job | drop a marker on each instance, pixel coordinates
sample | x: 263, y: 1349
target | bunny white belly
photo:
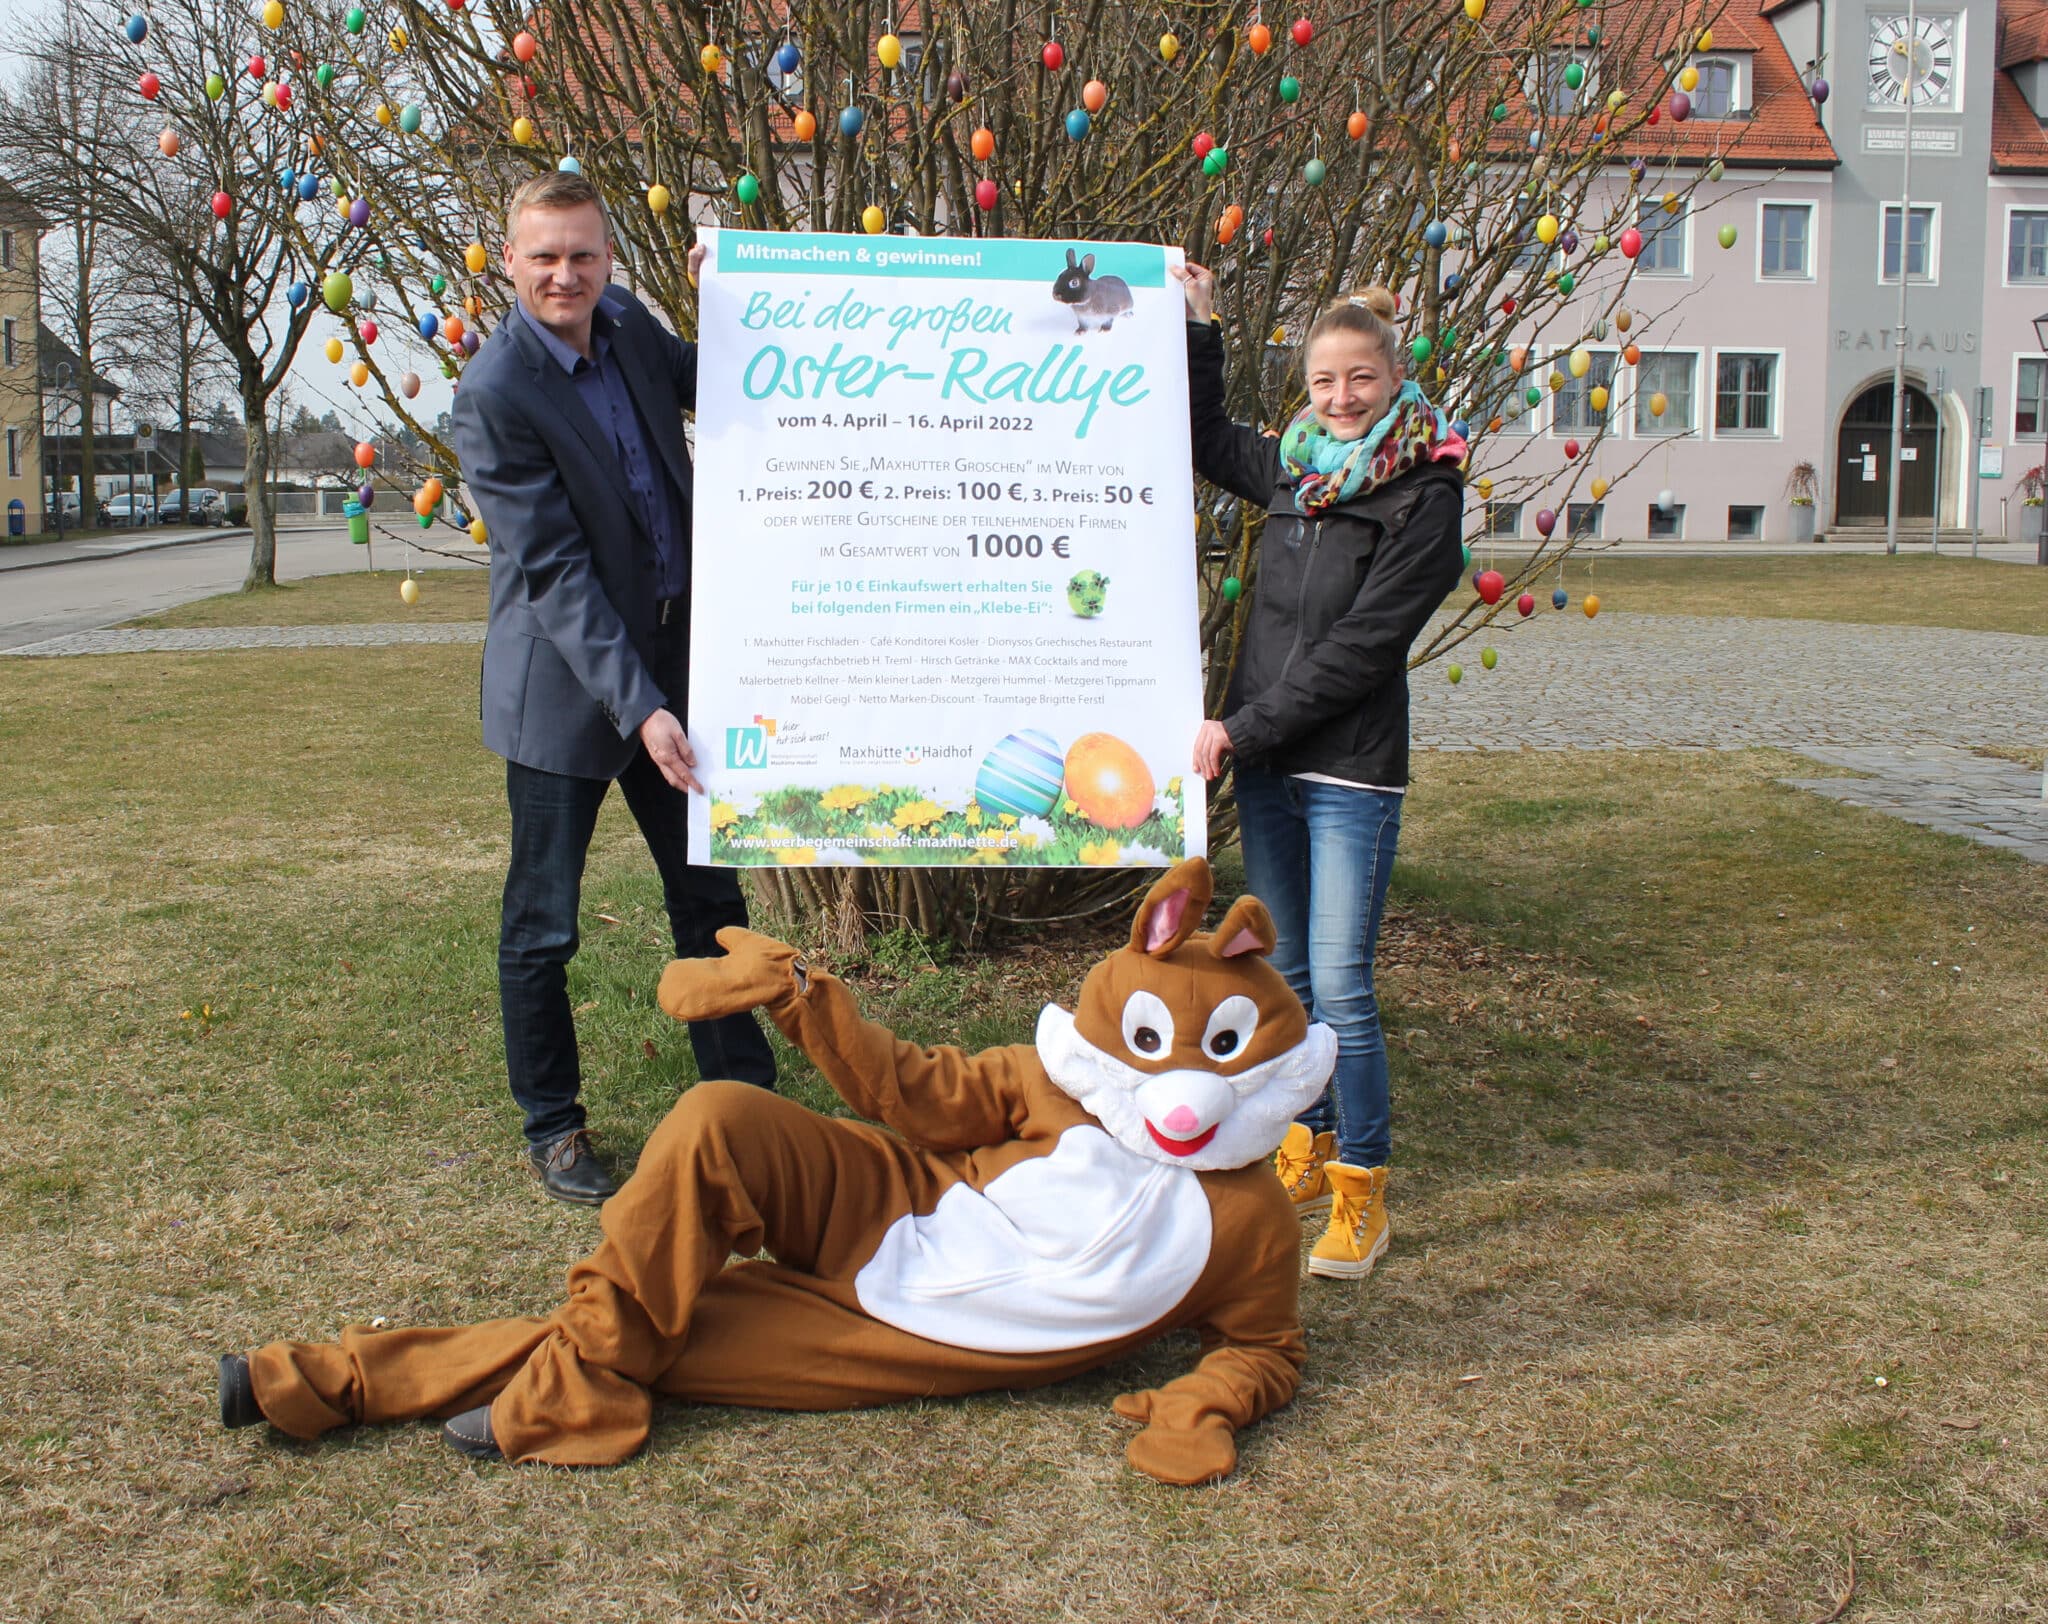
x: 1080, y: 1246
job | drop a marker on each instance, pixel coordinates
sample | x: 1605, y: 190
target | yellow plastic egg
x: 1600, y: 489
x: 888, y: 50
x: 1484, y: 487
x: 333, y: 349
x: 1581, y: 361
x: 1706, y: 39
x: 1169, y: 46
x: 477, y: 532
x: 359, y: 374
x: 1476, y: 10
x: 872, y: 220
x: 1591, y: 604
x: 1659, y: 404
x: 658, y: 198
x: 1596, y: 397
x: 398, y: 39
x: 711, y: 59
x: 1688, y: 78
x: 383, y: 114
x: 475, y: 258
x: 522, y: 131
x: 273, y: 14
x: 1546, y: 230
x: 1671, y: 203
x: 409, y: 590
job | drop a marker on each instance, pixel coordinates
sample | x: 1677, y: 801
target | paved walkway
x: 1905, y: 705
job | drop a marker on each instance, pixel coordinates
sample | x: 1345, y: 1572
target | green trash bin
x: 358, y: 522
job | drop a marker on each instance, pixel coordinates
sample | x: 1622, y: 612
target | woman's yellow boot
x: 1358, y: 1223
x: 1300, y: 1161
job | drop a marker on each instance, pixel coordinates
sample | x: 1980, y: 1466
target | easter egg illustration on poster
x: 943, y: 603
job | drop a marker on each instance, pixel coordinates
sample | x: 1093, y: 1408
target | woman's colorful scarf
x: 1326, y: 470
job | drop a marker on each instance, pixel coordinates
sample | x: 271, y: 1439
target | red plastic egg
x: 1054, y: 55
x: 222, y: 204
x: 1526, y: 604
x: 149, y: 84
x: 1303, y: 30
x: 984, y: 195
x: 1490, y: 584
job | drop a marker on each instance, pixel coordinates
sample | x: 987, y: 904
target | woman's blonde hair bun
x: 1380, y: 301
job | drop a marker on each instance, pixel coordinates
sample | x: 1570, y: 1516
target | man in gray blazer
x: 569, y: 426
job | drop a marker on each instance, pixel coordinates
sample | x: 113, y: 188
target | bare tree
x: 172, y: 359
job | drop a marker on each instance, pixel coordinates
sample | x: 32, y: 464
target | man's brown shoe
x: 569, y: 1170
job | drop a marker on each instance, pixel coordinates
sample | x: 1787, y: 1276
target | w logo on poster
x: 746, y: 747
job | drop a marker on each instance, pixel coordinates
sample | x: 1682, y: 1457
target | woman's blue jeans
x: 1319, y: 857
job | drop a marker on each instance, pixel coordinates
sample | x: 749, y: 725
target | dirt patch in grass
x: 1718, y: 1236
x: 357, y: 599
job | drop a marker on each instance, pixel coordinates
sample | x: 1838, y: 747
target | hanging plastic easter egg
x: 1688, y: 78
x: 1559, y: 598
x: 982, y: 143
x: 1574, y: 74
x: 1454, y: 671
x: 1532, y: 395
x: 747, y: 189
x: 430, y: 323
x: 359, y: 212
x: 850, y: 120
x: 1596, y: 397
x: 1591, y: 605
x: 408, y: 384
x: 1623, y: 321
x: 1489, y: 658
x: 1054, y: 56
x: 1483, y: 486
x: 136, y: 28
x: 523, y: 131
x: 1303, y: 31
x: 409, y: 590
x: 1546, y: 521
x: 956, y: 86
x: 257, y: 67
x: 323, y: 76
x: 1566, y: 281
x: 369, y: 331
x: 356, y: 20
x: 1420, y: 348
x: 1705, y: 42
x: 1490, y: 584
x: 1665, y: 501
x: 1659, y: 404
x: 1077, y: 124
x: 985, y: 195
x: 1290, y: 88
x: 452, y: 329
x: 383, y: 115
x: 437, y: 285
x: 478, y: 533
x: 1681, y: 106
x: 167, y: 143
x: 1356, y: 125
x: 333, y: 351
x: 1217, y: 161
x: 711, y: 59
x: 872, y: 220
x: 888, y: 50
x: 1581, y: 361
x: 366, y: 493
x: 273, y: 14
x: 297, y: 294
x: 223, y: 205
x: 1600, y: 489
x: 1260, y: 38
x: 1726, y: 236
x: 1436, y: 233
x: 359, y: 374
x: 569, y: 165
x: 470, y: 343
x: 1631, y: 242
x: 1169, y: 47
x: 150, y: 86
x: 1094, y: 95
x: 658, y: 199
x: 1021, y: 776
x: 1571, y: 451
x: 216, y: 87
x: 1546, y: 230
x: 1525, y: 605
x: 1108, y: 781
x: 1631, y: 354
x: 1315, y: 171
x: 1203, y: 144
x: 1476, y: 10
x: 475, y: 258
x: 1233, y: 589
x: 409, y: 120
x: 524, y: 46
x: 1818, y: 90
x: 1602, y: 243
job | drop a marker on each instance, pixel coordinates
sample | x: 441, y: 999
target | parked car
x: 125, y: 509
x: 64, y: 506
x: 206, y: 506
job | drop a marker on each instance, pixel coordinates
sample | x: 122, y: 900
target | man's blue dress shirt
x: 602, y: 385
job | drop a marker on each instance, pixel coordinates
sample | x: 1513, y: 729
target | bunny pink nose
x: 1181, y: 1121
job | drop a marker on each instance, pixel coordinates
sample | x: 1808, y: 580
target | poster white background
x: 943, y: 600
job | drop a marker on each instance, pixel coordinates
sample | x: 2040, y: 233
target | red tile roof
x: 2019, y: 146
x: 2023, y: 30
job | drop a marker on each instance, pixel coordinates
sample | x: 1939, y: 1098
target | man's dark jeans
x: 552, y: 820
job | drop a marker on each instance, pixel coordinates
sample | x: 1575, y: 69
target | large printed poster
x: 943, y: 595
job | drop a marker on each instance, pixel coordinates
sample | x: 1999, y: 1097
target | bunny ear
x: 1070, y: 259
x: 1088, y: 264
x: 1247, y: 928
x: 1172, y: 908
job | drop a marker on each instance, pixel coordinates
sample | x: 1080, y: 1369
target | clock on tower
x: 1917, y: 62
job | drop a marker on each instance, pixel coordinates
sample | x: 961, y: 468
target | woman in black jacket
x: 1364, y: 500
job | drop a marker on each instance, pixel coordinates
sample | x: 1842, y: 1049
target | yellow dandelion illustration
x: 1007, y: 819
x: 918, y: 815
x: 724, y: 815
x: 1101, y: 854
x: 973, y: 815
x: 795, y: 856
x: 846, y: 798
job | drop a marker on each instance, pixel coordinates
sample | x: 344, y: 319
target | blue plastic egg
x: 850, y: 120
x: 788, y: 57
x: 1077, y: 123
x: 295, y: 295
x: 1436, y: 233
x: 309, y: 187
x: 1559, y: 598
x: 1021, y: 775
x: 137, y: 28
x: 430, y: 324
x: 289, y: 179
x: 570, y: 166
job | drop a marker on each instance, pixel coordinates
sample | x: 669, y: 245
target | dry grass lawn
x: 1719, y: 1249
x: 359, y: 598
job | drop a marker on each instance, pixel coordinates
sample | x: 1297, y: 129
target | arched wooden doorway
x: 1863, y: 462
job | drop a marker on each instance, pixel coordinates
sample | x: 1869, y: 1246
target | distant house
x: 57, y: 367
x: 21, y: 471
x: 319, y: 460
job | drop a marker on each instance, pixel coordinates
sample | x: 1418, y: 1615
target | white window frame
x: 1559, y: 360
x: 1933, y: 277
x: 1776, y: 431
x: 1698, y: 355
x: 2012, y: 414
x: 1682, y: 225
x: 1812, y: 209
x: 1762, y: 516
x: 2005, y: 246
x: 1740, y: 103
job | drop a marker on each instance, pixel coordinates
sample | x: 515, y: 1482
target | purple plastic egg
x: 1820, y: 90
x: 359, y: 212
x: 366, y: 494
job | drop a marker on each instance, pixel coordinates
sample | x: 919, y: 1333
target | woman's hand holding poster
x: 943, y: 604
